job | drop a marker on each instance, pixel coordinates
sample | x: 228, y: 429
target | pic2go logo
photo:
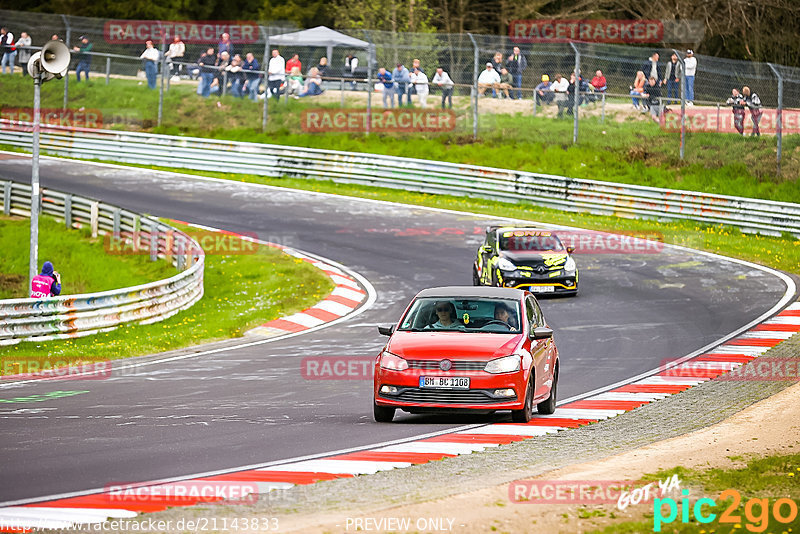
x: 756, y: 511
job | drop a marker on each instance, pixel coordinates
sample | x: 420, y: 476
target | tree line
x: 761, y: 30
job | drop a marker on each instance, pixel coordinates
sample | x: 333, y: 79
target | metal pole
x: 474, y: 89
x: 369, y: 82
x: 108, y: 69
x: 163, y: 73
x: 718, y: 110
x: 779, y: 117
x: 341, y: 91
x: 225, y: 83
x: 535, y: 94
x: 265, y: 111
x: 66, y: 78
x: 683, y: 103
x: 603, y: 108
x: 34, y: 254
x: 576, y: 94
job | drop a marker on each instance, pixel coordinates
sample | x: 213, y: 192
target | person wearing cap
x: 84, y: 57
x: 689, y: 69
x: 442, y: 80
x: 488, y: 79
x: 401, y: 79
x: 544, y: 91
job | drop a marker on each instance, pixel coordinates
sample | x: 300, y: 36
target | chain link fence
x: 689, y: 118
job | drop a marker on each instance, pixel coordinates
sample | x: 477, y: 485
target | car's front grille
x: 442, y: 396
x: 458, y: 365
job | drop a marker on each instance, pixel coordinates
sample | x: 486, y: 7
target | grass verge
x: 241, y: 291
x: 626, y: 148
x: 82, y: 261
x: 760, y: 483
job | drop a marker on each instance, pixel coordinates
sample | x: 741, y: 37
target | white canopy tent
x: 321, y: 36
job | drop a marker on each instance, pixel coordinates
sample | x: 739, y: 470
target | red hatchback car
x: 475, y: 349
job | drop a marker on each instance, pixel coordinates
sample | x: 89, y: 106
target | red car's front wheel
x: 383, y: 414
x: 526, y: 413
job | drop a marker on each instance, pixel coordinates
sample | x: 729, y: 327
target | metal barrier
x: 605, y: 198
x: 70, y: 316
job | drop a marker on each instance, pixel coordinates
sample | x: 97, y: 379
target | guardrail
x: 607, y: 198
x: 69, y: 316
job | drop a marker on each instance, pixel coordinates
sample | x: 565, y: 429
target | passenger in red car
x: 446, y: 313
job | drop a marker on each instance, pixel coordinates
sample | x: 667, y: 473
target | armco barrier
x: 607, y: 198
x: 80, y: 315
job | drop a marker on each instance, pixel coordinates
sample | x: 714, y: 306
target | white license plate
x: 542, y: 289
x: 443, y: 382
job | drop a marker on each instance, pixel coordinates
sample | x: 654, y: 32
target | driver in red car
x: 503, y: 313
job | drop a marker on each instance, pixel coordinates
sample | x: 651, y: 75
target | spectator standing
x: 599, y: 84
x: 544, y: 91
x: 350, y: 66
x: 401, y: 78
x: 47, y: 283
x: 23, y: 43
x: 84, y: 57
x: 322, y: 67
x: 443, y: 81
x: 175, y: 53
x: 637, y: 89
x: 672, y: 78
x: 388, y: 87
x: 517, y: 63
x: 420, y: 81
x: 737, y: 102
x: 506, y: 82
x: 251, y: 76
x: 150, y: 62
x: 754, y: 105
x: 650, y: 69
x: 571, y: 93
x: 653, y: 95
x: 225, y: 45
x: 559, y: 88
x: 497, y: 65
x: 276, y: 74
x: 488, y: 79
x: 207, y: 64
x: 55, y: 37
x: 690, y: 68
x: 223, y: 60
x: 294, y: 62
x: 8, y: 49
x: 236, y: 76
x: 412, y: 89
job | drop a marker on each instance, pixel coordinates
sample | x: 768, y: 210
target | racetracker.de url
x: 199, y: 524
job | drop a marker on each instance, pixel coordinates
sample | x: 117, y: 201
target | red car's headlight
x: 393, y: 362
x: 506, y: 364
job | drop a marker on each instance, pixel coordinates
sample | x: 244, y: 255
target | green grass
x: 241, y: 292
x: 82, y: 261
x: 767, y: 477
x: 626, y: 148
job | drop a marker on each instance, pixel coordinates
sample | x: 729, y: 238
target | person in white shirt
x: 175, y: 53
x: 442, y: 80
x: 276, y: 74
x: 24, y: 55
x: 488, y: 79
x: 689, y: 69
x: 420, y: 81
x: 559, y: 88
x: 150, y: 58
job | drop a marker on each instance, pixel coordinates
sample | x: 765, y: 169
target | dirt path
x: 771, y: 426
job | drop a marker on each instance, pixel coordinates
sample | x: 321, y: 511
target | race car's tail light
x: 393, y: 362
x: 506, y: 364
x: 505, y: 393
x: 389, y: 390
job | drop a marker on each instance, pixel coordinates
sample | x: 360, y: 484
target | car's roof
x: 472, y: 291
x: 510, y: 228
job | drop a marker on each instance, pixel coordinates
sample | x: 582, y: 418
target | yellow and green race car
x: 525, y: 258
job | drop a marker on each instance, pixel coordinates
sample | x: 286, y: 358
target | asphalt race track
x: 251, y: 405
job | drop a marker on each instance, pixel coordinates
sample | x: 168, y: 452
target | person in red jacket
x: 294, y: 62
x: 47, y: 283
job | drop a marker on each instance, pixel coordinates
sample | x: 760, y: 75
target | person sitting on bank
x: 47, y: 283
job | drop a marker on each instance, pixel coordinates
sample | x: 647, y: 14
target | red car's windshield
x: 463, y: 314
